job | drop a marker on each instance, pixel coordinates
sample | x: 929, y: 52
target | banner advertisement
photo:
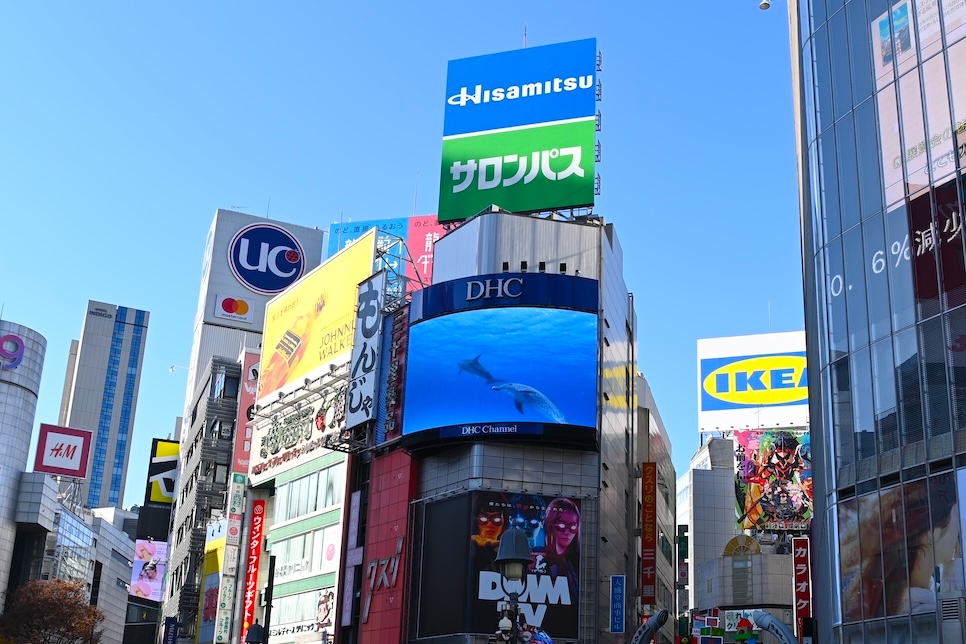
x: 253, y: 559
x: 63, y: 451
x: 361, y: 397
x: 419, y: 233
x: 617, y: 603
x: 752, y: 381
x: 519, y: 130
x: 147, y: 572
x: 162, y: 473
x: 802, y: 581
x: 298, y: 433
x: 246, y: 412
x: 424, y: 232
x: 906, y: 540
x: 550, y: 599
x: 309, y: 326
x: 648, y: 533
x: 773, y: 482
x: 395, y: 376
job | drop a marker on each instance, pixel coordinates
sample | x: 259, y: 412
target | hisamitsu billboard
x: 519, y: 130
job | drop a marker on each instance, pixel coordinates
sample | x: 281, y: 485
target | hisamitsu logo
x: 266, y: 258
x: 754, y: 381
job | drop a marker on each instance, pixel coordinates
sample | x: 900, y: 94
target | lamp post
x: 513, y: 558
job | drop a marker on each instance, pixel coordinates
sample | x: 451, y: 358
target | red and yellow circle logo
x: 231, y: 305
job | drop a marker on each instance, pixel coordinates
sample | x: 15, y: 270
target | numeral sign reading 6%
x: 899, y: 251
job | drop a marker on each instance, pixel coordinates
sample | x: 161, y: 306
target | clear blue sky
x: 124, y: 125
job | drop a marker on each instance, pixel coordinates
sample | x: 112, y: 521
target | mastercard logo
x: 238, y: 307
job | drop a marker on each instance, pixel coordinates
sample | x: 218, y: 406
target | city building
x: 113, y: 560
x: 247, y: 261
x: 880, y: 121
x: 202, y: 493
x: 101, y: 394
x: 22, y: 353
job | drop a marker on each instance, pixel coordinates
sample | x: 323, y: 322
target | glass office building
x: 881, y: 120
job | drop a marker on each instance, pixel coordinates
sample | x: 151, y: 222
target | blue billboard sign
x: 522, y: 87
x: 505, y: 289
x: 343, y: 234
x: 617, y: 602
x: 266, y: 258
x: 524, y: 366
x: 754, y: 381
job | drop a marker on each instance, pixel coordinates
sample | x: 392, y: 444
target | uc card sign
x: 519, y: 130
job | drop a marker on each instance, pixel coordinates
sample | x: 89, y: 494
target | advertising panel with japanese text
x: 773, y: 480
x: 752, y: 381
x: 361, y: 399
x: 246, y: 412
x: 503, y: 356
x: 648, y: 533
x: 419, y: 233
x: 801, y: 580
x: 519, y: 130
x: 253, y: 558
x: 309, y: 326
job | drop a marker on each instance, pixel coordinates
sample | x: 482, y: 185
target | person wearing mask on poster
x: 562, y: 553
x: 489, y: 522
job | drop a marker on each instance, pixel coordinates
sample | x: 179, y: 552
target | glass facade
x: 883, y: 107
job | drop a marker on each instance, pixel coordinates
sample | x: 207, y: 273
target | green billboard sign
x: 519, y: 131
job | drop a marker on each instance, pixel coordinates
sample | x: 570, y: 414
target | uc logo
x: 265, y: 258
x: 754, y: 381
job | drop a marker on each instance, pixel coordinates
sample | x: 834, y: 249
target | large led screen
x: 502, y: 372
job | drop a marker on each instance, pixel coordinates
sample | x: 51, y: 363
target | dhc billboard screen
x: 503, y: 356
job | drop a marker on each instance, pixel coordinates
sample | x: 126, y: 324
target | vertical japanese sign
x: 617, y: 603
x: 519, y: 130
x: 802, y: 575
x: 365, y: 344
x: 648, y: 533
x: 424, y: 232
x: 396, y: 376
x: 254, y: 557
x: 246, y: 412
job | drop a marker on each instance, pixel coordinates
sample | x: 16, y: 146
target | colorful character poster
x: 773, y: 482
x: 550, y: 598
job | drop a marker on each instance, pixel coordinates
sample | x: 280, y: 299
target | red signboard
x: 63, y: 451
x: 246, y: 412
x: 254, y: 557
x: 648, y: 533
x: 802, y: 574
x: 383, y: 603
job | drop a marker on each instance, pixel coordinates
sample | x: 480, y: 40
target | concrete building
x: 101, y: 394
x: 880, y: 120
x: 202, y: 497
x: 113, y: 558
x: 19, y: 385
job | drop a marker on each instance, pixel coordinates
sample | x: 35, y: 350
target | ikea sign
x: 743, y: 382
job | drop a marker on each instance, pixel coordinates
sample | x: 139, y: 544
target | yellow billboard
x: 310, y: 325
x: 162, y: 473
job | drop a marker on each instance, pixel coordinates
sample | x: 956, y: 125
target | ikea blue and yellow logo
x: 754, y: 381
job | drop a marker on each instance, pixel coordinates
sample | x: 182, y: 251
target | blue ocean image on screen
x: 480, y: 366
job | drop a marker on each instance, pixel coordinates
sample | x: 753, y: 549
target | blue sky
x: 123, y: 126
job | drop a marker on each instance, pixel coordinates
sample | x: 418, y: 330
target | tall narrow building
x: 101, y: 394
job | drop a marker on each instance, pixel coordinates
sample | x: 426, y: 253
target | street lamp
x: 513, y: 558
